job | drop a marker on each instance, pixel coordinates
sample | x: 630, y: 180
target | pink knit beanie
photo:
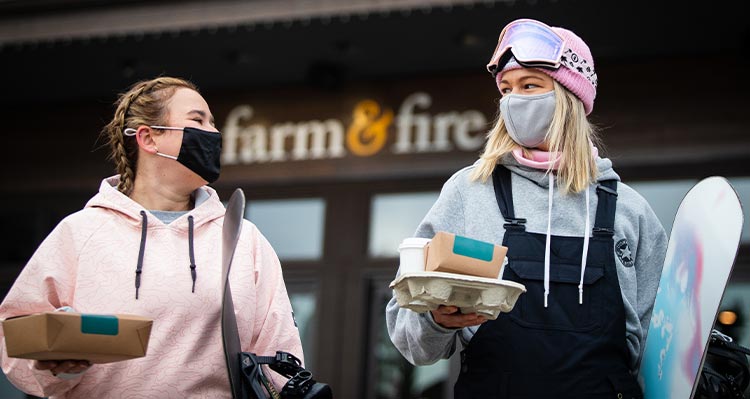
x: 576, y: 71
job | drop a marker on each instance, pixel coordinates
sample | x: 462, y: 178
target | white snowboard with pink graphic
x: 701, y: 252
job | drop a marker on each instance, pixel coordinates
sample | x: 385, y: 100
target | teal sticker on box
x: 473, y: 248
x: 99, y: 324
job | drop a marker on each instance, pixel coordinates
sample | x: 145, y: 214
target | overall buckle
x: 514, y: 223
x: 604, y: 231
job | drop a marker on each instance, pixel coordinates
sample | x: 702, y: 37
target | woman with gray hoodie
x: 588, y: 248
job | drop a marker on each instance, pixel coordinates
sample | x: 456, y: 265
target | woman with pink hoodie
x: 149, y: 244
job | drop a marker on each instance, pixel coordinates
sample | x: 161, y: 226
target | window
x: 294, y: 227
x: 737, y: 301
x: 394, y: 217
x: 390, y: 375
x: 303, y: 297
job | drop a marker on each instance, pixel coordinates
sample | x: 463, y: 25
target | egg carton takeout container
x: 425, y: 291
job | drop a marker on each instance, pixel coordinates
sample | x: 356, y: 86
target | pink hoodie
x: 88, y: 262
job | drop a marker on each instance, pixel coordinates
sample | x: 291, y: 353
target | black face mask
x: 200, y: 151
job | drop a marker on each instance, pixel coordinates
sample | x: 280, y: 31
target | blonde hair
x: 569, y: 135
x: 145, y: 103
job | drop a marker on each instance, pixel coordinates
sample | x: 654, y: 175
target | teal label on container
x: 473, y: 248
x: 99, y: 324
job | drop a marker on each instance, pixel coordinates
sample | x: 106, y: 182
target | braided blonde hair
x: 143, y: 104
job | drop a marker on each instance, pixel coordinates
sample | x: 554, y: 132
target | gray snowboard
x: 230, y: 335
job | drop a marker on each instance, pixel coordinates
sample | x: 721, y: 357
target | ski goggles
x: 531, y: 43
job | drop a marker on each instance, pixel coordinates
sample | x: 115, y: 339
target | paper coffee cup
x: 411, y: 254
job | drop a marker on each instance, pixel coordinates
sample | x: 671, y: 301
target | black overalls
x: 567, y: 350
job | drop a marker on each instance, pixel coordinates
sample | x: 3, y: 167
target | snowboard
x: 701, y: 252
x: 230, y: 235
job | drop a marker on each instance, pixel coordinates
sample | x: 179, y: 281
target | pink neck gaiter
x: 543, y: 159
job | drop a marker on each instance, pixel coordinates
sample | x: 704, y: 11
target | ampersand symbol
x: 367, y: 133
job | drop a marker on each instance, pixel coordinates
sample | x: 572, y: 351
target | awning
x: 86, y: 23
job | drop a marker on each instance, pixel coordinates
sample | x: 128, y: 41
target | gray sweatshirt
x: 469, y: 208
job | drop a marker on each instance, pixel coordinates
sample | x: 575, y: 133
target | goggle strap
x: 579, y: 65
x: 569, y: 59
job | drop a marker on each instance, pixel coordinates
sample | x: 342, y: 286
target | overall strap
x: 504, y: 197
x: 606, y: 192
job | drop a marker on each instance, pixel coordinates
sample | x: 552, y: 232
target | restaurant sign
x: 370, y: 129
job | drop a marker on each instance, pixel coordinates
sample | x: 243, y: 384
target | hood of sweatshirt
x: 207, y: 208
x: 535, y: 169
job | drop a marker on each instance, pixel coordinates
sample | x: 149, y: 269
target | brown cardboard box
x: 68, y: 335
x: 456, y: 254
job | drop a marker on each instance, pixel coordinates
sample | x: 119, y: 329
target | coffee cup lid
x: 413, y: 242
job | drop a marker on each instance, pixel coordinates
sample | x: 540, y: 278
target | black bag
x: 301, y: 385
x: 726, y: 371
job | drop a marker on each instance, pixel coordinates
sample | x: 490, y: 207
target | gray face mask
x: 528, y: 118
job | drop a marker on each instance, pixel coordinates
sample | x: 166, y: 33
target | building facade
x: 341, y: 121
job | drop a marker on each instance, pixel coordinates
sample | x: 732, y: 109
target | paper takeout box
x: 68, y: 335
x: 450, y: 253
